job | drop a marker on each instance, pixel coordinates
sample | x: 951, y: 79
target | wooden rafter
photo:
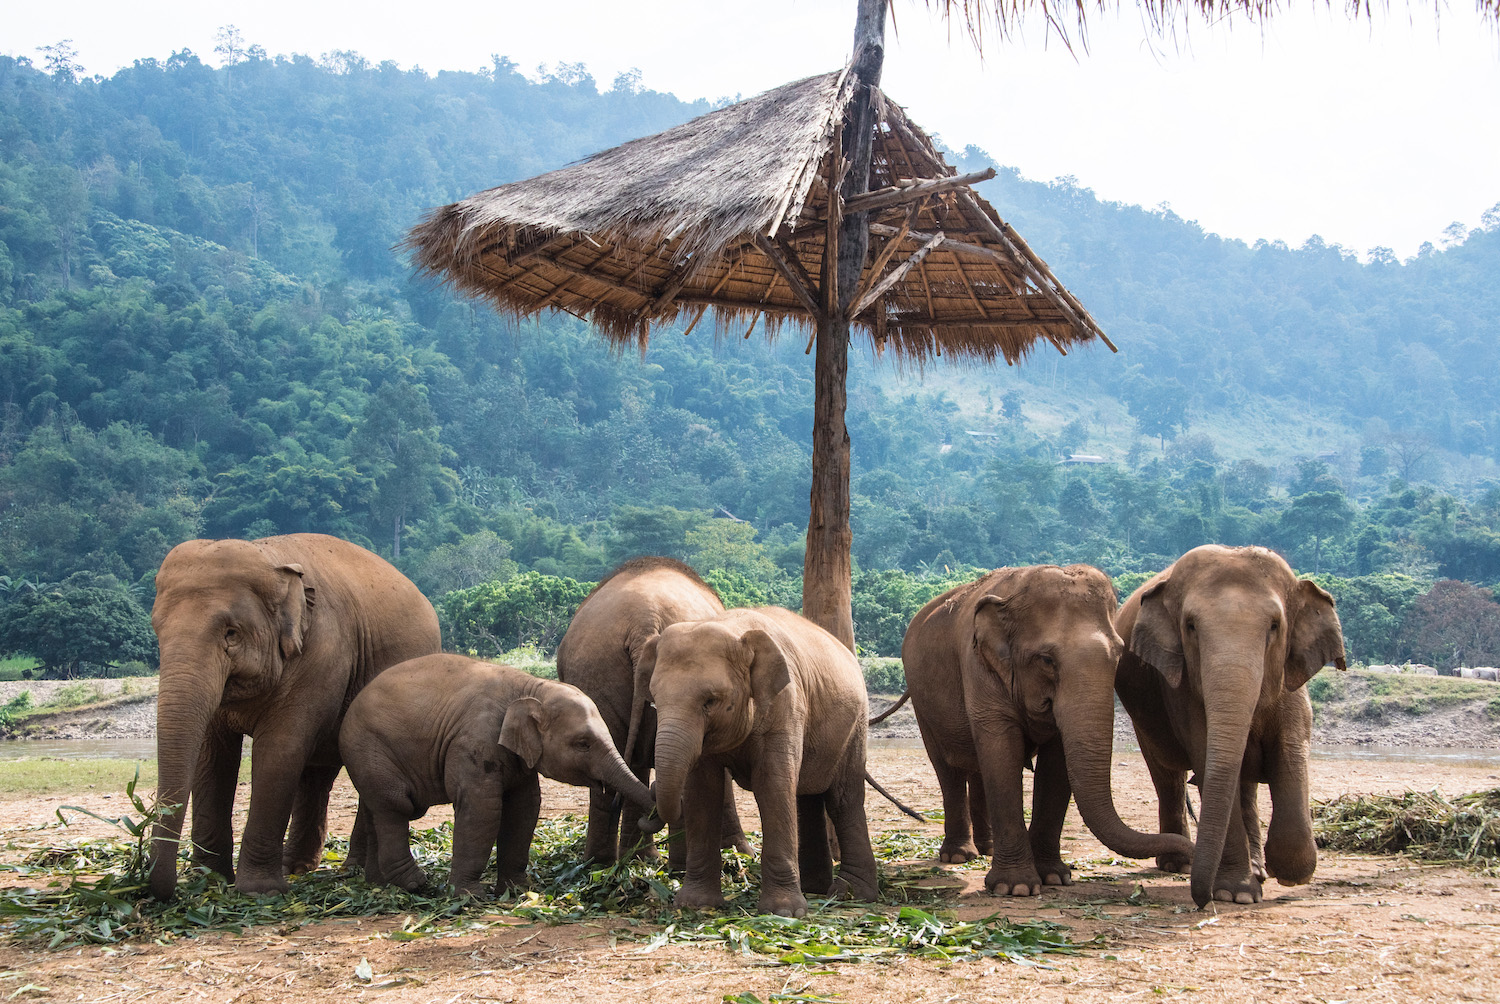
x: 895, y: 276
x: 908, y: 190
x: 883, y: 259
x: 785, y: 270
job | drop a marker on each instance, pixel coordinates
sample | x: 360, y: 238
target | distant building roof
x: 1085, y: 458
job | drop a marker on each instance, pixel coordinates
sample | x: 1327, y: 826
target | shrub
x: 884, y: 676
x: 495, y: 617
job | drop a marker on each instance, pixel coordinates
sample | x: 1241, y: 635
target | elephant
x: 449, y: 729
x: 781, y: 704
x: 268, y: 638
x: 1219, y: 648
x: 1021, y: 662
x: 601, y: 655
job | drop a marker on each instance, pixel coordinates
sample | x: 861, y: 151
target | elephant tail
x: 888, y: 712
x: 913, y: 813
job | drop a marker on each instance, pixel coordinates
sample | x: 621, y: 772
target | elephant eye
x: 709, y: 702
x: 231, y: 636
x: 1191, y: 624
x: 1275, y: 625
x: 581, y: 745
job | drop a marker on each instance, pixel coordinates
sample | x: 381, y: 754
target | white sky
x: 1366, y: 134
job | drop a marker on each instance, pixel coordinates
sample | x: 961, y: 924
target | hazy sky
x: 1372, y: 134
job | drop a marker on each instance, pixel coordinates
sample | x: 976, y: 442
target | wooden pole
x: 827, y: 572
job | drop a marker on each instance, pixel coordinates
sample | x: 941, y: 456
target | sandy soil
x: 1366, y: 929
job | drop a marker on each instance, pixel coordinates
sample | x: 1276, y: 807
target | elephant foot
x: 1172, y: 861
x: 1291, y: 863
x: 689, y: 898
x: 783, y: 902
x: 1055, y: 873
x: 856, y: 888
x: 738, y: 841
x: 260, y: 885
x: 1013, y: 882
x: 515, y: 882
x: 957, y: 853
x: 1244, y: 892
x: 300, y: 866
x: 985, y: 847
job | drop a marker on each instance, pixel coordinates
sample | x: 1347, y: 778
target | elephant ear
x: 992, y: 634
x: 769, y: 672
x: 521, y: 731
x: 1156, y: 639
x: 292, y: 618
x: 1317, y: 637
x: 643, y: 658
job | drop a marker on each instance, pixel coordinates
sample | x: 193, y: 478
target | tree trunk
x: 827, y: 572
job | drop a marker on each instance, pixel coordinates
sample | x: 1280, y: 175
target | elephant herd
x: 328, y: 657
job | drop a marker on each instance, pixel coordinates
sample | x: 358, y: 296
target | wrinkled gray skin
x: 781, y: 704
x: 1220, y: 646
x: 1021, y: 662
x: 270, y: 639
x: 448, y: 729
x: 601, y: 655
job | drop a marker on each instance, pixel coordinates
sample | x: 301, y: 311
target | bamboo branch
x: 916, y: 189
x: 895, y: 276
x: 883, y: 259
x: 802, y: 293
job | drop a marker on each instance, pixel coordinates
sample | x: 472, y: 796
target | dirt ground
x: 1366, y: 929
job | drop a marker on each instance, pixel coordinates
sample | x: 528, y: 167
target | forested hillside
x: 204, y: 331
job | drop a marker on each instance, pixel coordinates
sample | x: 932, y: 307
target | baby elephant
x: 445, y: 728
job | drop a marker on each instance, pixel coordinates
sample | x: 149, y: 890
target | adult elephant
x: 780, y: 703
x: 1016, y: 664
x: 1220, y: 646
x: 270, y: 639
x: 601, y: 655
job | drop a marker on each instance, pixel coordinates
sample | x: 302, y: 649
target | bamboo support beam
x: 784, y: 268
x: 909, y: 190
x: 884, y: 258
x: 895, y: 276
x: 1040, y: 275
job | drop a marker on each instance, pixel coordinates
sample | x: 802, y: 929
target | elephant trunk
x: 1086, y: 721
x: 615, y: 773
x: 1229, y: 705
x: 189, y: 694
x: 679, y: 744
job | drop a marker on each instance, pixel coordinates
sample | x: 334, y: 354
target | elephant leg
x: 731, y: 832
x: 391, y: 828
x: 1002, y: 751
x: 814, y: 857
x: 1291, y: 854
x: 603, y: 842
x: 958, y: 841
x: 477, y: 820
x: 1171, y: 809
x: 363, y: 847
x: 859, y: 875
x: 979, y: 815
x: 309, y: 830
x: 1233, y: 882
x: 519, y: 812
x: 213, y: 801
x: 1050, y: 793
x: 1250, y: 813
x: 774, y: 783
x: 703, y: 797
x: 276, y: 765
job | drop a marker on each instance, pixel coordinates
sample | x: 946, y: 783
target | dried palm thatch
x: 731, y: 212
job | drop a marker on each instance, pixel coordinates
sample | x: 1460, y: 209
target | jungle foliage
x: 204, y: 332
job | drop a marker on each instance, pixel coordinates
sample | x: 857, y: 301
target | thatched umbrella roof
x: 732, y: 212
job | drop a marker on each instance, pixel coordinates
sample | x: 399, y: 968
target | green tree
x: 398, y: 441
x: 72, y: 629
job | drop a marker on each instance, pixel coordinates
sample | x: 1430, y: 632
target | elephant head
x: 228, y: 620
x: 1237, y: 629
x: 1048, y: 635
x: 561, y: 733
x: 710, y: 682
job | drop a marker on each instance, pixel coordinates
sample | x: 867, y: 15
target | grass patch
x: 94, y: 892
x: 12, y: 667
x: 55, y: 776
x: 1419, y: 824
